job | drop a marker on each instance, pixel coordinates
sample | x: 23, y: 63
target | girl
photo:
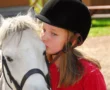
x: 66, y: 26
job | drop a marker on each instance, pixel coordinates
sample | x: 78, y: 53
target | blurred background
x: 97, y: 44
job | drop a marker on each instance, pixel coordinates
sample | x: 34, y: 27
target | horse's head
x: 23, y: 52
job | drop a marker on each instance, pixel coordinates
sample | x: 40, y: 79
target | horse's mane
x: 17, y: 23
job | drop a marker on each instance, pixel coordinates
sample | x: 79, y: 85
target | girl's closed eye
x: 54, y: 34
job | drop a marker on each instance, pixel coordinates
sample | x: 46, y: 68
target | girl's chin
x: 49, y: 52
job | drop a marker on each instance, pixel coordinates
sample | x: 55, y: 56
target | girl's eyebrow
x: 53, y: 29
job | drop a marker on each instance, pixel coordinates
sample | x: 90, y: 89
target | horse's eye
x: 9, y: 59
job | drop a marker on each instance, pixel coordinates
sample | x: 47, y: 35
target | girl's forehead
x: 54, y: 28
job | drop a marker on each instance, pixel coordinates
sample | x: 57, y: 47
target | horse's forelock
x: 15, y: 24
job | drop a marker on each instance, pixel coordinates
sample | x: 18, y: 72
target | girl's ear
x: 77, y: 40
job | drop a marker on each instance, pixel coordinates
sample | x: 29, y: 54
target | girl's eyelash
x: 51, y: 32
x: 54, y: 34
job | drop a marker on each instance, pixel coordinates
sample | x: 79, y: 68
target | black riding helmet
x: 72, y: 15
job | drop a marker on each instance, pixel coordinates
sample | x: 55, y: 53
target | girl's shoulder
x: 88, y: 65
x: 93, y: 78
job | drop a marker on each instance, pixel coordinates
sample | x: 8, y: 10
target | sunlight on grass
x: 99, y: 31
x: 101, y: 22
x: 100, y: 27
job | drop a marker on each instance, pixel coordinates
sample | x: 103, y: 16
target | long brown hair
x: 71, y: 70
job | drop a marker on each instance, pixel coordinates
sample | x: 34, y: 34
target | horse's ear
x: 1, y: 19
x: 31, y: 12
x: 19, y: 14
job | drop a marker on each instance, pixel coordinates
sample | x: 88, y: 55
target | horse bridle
x: 25, y: 77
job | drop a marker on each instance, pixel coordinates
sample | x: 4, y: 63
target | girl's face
x: 54, y: 38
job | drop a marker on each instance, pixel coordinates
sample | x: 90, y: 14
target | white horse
x: 23, y: 58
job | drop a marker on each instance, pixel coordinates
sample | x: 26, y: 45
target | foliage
x: 38, y: 4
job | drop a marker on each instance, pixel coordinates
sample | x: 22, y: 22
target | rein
x: 25, y: 77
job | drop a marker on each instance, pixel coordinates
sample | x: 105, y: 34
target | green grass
x: 99, y: 31
x: 101, y: 22
x: 100, y: 27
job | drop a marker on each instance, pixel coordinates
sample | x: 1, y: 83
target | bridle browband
x: 25, y: 77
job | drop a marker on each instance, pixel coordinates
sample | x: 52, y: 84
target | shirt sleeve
x: 94, y: 81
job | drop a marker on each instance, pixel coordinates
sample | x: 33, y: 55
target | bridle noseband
x: 25, y: 77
